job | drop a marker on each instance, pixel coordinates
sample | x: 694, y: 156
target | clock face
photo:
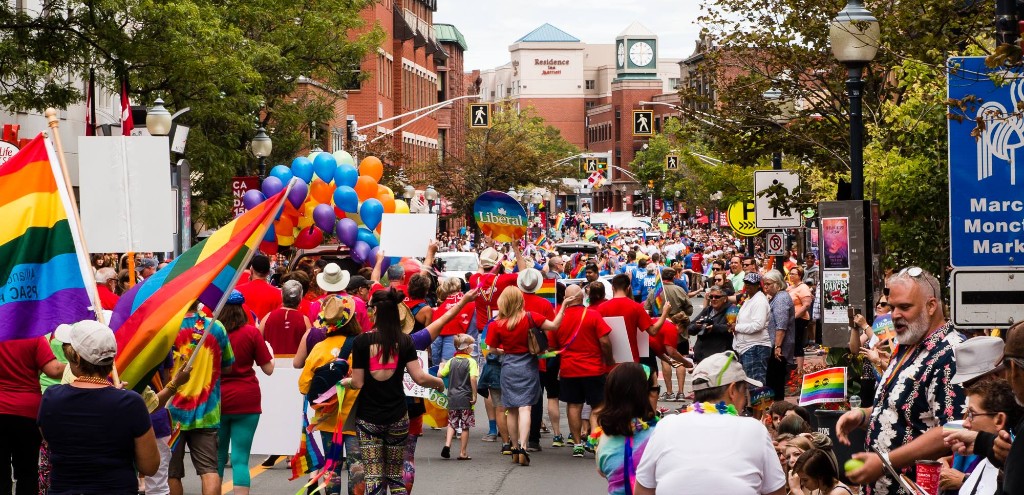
x: 641, y: 53
x: 622, y: 54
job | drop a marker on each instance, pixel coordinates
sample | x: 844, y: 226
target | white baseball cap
x: 719, y: 370
x: 92, y: 340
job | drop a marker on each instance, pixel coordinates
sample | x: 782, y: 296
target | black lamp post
x: 854, y: 36
x: 261, y: 147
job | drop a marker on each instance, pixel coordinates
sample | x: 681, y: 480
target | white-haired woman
x: 782, y: 329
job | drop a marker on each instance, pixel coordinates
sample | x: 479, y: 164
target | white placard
x: 281, y: 422
x: 121, y: 180
x: 621, y: 350
x: 410, y: 386
x: 407, y: 235
x: 643, y: 343
x: 775, y: 218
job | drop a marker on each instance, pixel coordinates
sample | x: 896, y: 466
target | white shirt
x: 722, y: 454
x: 752, y: 324
x: 985, y: 477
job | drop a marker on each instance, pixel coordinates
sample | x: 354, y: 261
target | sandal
x: 466, y: 458
x: 516, y: 453
x: 524, y: 458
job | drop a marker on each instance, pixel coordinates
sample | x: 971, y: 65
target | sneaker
x: 666, y: 396
x: 588, y: 448
x: 489, y: 438
x: 558, y: 441
x: 270, y: 461
x: 679, y: 397
x: 533, y: 447
x: 569, y: 441
x: 506, y: 449
x: 577, y: 451
x: 446, y: 452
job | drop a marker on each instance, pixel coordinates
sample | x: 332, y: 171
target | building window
x: 590, y: 104
x: 591, y: 84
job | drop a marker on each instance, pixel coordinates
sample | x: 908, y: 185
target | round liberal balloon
x: 500, y: 217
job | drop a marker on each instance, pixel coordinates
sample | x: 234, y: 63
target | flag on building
x: 42, y: 262
x: 827, y: 385
x: 127, y: 122
x: 147, y: 318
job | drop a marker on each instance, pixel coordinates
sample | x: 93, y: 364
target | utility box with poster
x: 846, y: 246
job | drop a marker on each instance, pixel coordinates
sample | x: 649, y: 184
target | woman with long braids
x: 379, y: 359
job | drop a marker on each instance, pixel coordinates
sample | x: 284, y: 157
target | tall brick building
x: 588, y: 92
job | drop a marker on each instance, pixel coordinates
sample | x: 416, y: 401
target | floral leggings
x: 383, y: 451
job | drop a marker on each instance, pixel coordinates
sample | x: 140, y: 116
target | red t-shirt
x: 261, y: 297
x: 492, y: 286
x: 284, y: 328
x: 668, y: 336
x: 583, y: 356
x: 513, y: 341
x: 637, y: 320
x: 20, y: 363
x: 107, y: 298
x: 239, y: 389
x: 459, y: 324
x: 537, y: 304
x: 697, y: 262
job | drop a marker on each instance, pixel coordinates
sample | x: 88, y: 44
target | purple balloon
x: 271, y: 186
x: 372, y: 258
x: 252, y: 198
x: 347, y: 231
x: 323, y: 217
x: 297, y: 195
x: 384, y: 264
x: 361, y: 252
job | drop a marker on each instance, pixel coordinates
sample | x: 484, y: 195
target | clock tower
x: 636, y: 53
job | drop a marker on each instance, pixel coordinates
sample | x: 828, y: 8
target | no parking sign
x: 775, y: 244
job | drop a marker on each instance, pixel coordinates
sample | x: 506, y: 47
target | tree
x: 518, y: 150
x: 236, y: 64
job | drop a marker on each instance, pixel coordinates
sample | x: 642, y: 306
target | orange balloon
x: 366, y: 187
x: 371, y: 166
x: 321, y: 191
x: 284, y: 226
x: 289, y: 209
x: 388, y: 202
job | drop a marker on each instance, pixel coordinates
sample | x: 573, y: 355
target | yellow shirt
x: 321, y: 354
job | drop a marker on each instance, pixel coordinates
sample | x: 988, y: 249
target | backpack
x: 327, y: 376
x: 536, y: 338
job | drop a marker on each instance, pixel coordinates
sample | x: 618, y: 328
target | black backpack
x: 327, y: 376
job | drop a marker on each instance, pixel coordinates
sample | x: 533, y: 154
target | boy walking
x: 462, y: 373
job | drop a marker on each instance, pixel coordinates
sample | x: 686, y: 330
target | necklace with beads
x: 709, y: 408
x: 92, y: 379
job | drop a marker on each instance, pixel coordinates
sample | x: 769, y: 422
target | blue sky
x: 490, y: 26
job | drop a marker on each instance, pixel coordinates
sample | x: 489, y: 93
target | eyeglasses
x: 971, y: 415
x: 1007, y: 360
x: 883, y: 304
x: 748, y: 264
x: 714, y: 298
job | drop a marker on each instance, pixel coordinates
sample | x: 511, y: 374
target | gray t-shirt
x: 459, y: 370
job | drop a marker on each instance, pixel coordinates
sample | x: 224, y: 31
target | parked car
x: 456, y: 263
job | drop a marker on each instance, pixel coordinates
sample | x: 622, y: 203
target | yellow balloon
x: 285, y: 241
x: 401, y: 206
x: 305, y: 222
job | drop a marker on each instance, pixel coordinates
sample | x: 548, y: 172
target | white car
x: 458, y: 263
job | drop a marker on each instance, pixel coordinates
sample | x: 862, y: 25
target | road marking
x: 227, y: 486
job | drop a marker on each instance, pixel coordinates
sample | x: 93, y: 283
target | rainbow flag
x: 577, y: 264
x: 615, y: 249
x: 42, y: 262
x: 559, y: 221
x: 611, y: 234
x: 147, y: 318
x: 549, y: 290
x: 827, y: 385
x: 589, y: 234
x: 659, y: 294
x: 541, y: 239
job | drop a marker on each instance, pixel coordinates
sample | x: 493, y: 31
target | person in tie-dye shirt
x: 626, y: 423
x: 195, y: 408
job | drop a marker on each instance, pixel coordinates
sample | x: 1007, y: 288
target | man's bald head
x: 574, y: 291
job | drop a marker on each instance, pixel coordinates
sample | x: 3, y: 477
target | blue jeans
x: 442, y: 349
x: 755, y: 362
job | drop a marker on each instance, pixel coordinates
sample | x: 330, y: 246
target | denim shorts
x: 755, y: 362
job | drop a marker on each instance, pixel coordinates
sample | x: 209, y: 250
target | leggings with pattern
x: 383, y: 450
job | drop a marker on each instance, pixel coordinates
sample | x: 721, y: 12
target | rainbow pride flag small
x: 577, y: 264
x: 549, y: 290
x: 611, y: 234
x: 559, y: 221
x: 541, y: 239
x: 827, y: 385
x: 659, y: 295
x: 590, y: 234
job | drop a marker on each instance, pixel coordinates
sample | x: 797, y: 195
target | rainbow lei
x: 709, y: 408
x: 638, y: 426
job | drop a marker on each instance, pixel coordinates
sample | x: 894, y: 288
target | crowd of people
x: 508, y: 338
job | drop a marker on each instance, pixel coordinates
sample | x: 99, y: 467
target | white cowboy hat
x: 333, y: 278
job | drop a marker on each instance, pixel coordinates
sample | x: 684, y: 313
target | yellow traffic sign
x: 743, y: 218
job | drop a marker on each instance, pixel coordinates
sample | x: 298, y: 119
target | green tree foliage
x: 519, y: 150
x: 236, y: 64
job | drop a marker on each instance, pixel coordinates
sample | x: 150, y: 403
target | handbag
x: 536, y: 338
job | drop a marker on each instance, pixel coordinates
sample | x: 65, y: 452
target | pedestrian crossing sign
x: 672, y: 162
x: 643, y: 122
x: 593, y: 164
x: 479, y: 116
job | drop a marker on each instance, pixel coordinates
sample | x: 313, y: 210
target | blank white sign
x: 123, y: 185
x: 407, y: 235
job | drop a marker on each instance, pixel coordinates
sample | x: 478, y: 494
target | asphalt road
x: 489, y: 472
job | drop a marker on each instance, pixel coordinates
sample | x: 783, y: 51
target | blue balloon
x: 367, y: 236
x: 302, y: 168
x: 346, y: 198
x: 271, y: 235
x: 371, y: 212
x: 323, y: 166
x: 272, y: 186
x: 282, y: 172
x: 346, y: 175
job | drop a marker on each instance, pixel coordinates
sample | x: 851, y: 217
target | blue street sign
x: 986, y: 189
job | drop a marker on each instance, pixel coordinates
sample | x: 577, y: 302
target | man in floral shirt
x: 915, y: 397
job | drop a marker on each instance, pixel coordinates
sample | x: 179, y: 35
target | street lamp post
x: 160, y: 122
x: 431, y: 196
x: 261, y: 147
x: 854, y: 36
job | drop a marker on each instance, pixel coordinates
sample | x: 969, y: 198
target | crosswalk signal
x: 479, y: 116
x: 672, y: 162
x: 643, y: 122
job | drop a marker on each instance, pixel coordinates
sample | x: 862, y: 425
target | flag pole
x: 234, y: 280
x: 83, y: 254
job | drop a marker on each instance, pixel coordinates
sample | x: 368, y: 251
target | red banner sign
x: 239, y: 185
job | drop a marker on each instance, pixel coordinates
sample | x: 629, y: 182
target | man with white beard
x: 915, y: 397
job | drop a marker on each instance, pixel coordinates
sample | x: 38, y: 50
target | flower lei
x: 638, y: 426
x: 198, y: 328
x: 709, y: 408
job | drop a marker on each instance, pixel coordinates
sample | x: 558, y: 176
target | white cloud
x: 490, y: 27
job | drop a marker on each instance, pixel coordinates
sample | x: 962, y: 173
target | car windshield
x: 459, y: 263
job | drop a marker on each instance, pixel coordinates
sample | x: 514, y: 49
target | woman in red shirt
x: 520, y: 378
x: 240, y: 391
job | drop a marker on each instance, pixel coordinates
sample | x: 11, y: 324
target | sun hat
x: 333, y: 278
x: 488, y: 258
x: 530, y: 280
x: 335, y: 312
x: 719, y: 370
x: 976, y: 357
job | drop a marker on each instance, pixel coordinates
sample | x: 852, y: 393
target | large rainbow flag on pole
x: 827, y: 385
x: 43, y: 267
x: 147, y: 318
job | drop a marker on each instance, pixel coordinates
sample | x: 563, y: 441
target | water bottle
x: 854, y: 401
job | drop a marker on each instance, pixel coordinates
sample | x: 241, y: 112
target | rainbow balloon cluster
x: 333, y: 197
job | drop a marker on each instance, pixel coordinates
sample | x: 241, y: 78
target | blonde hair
x: 510, y: 307
x: 802, y: 441
x: 447, y: 287
x: 462, y: 339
